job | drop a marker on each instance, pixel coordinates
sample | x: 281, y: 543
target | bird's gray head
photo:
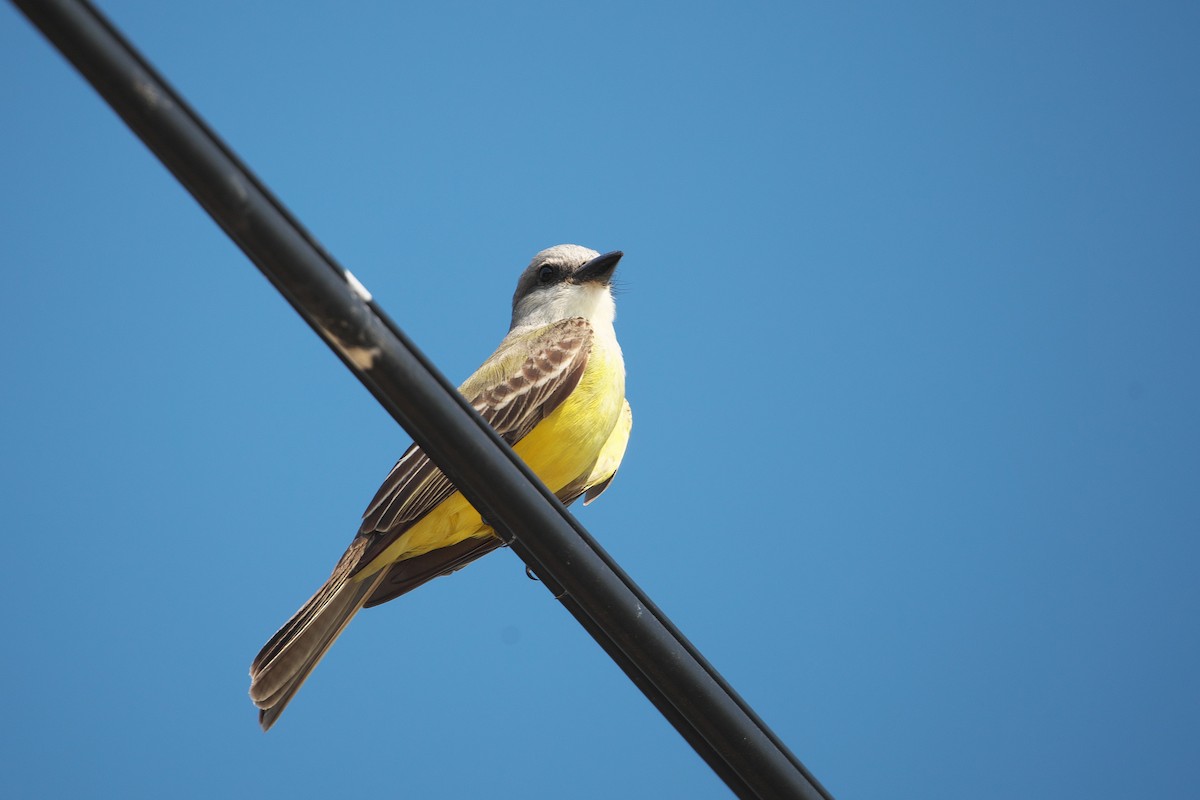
x: 566, y: 281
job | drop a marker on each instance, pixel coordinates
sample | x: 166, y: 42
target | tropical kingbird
x: 554, y: 390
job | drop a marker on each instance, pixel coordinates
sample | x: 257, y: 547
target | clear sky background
x: 910, y: 308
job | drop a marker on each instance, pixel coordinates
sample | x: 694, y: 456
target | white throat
x: 592, y: 301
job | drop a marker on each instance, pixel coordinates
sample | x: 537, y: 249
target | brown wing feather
x: 404, y: 576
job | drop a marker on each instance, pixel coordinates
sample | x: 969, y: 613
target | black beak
x: 599, y: 269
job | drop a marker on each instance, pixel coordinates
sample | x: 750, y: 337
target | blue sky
x: 909, y: 309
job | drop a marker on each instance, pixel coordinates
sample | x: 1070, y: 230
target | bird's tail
x: 287, y: 659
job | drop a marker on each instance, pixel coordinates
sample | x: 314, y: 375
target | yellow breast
x: 562, y: 448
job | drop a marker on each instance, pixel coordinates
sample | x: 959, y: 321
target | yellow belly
x: 561, y: 449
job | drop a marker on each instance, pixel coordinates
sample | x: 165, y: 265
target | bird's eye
x: 545, y: 275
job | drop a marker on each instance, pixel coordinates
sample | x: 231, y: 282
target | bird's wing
x: 404, y: 576
x: 520, y: 385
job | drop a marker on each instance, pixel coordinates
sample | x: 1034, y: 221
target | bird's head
x: 566, y: 281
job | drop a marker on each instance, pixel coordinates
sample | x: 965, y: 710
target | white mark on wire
x: 357, y: 286
x: 361, y: 357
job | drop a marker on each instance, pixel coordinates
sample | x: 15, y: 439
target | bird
x: 554, y: 390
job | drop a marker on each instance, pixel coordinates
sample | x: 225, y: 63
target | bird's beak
x: 599, y: 269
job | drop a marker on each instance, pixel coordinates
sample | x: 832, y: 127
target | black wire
x: 660, y: 661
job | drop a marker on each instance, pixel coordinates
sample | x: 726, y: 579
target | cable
x: 672, y: 674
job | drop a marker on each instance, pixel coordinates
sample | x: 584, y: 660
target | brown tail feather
x: 287, y: 659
